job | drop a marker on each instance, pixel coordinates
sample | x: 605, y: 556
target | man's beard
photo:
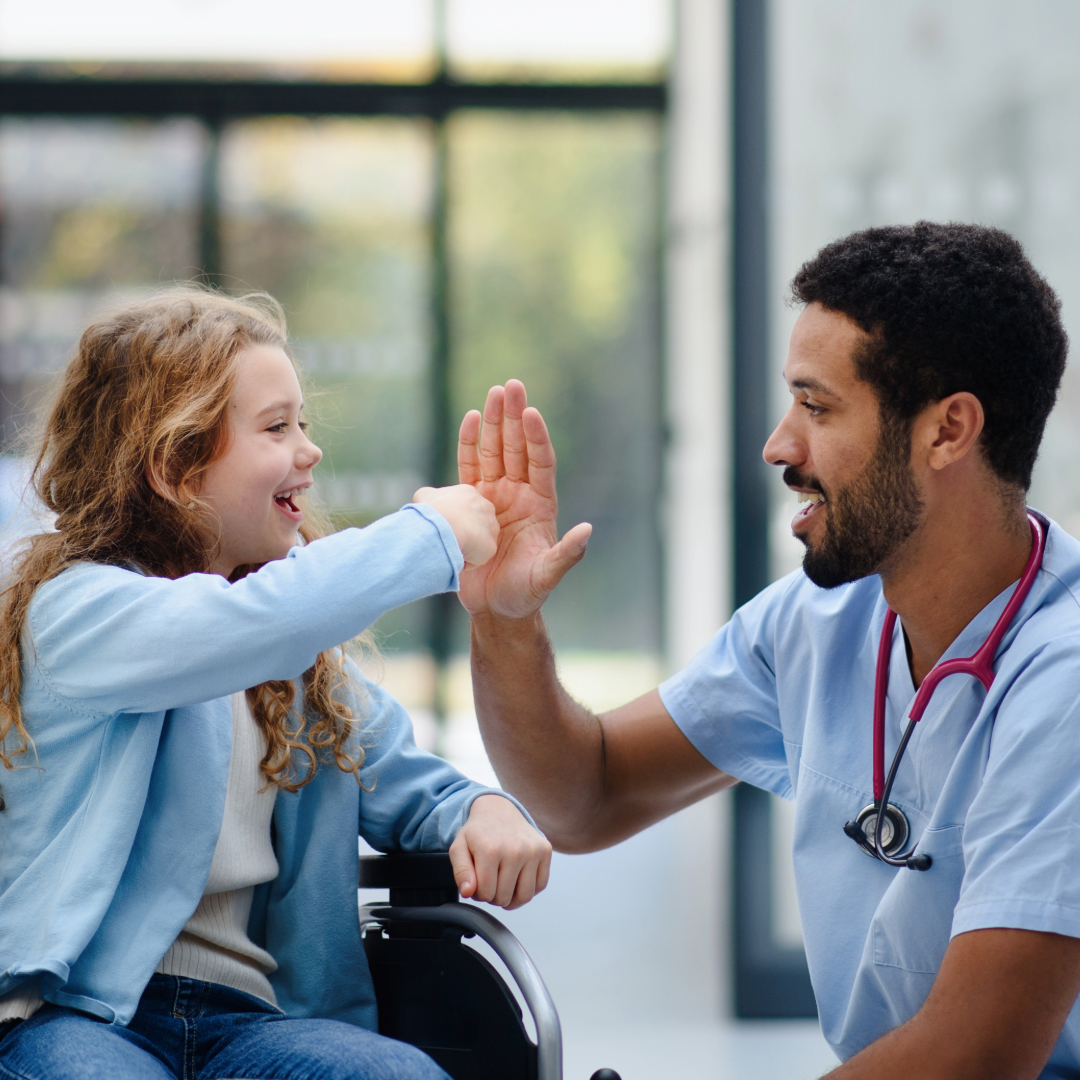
x: 867, y: 520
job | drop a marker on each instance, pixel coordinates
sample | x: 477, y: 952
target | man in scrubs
x: 922, y: 369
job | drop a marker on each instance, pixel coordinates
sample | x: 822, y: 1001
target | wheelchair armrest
x: 423, y: 892
x: 473, y: 920
x: 415, y: 879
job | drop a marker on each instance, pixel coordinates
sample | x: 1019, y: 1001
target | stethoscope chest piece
x: 894, y: 829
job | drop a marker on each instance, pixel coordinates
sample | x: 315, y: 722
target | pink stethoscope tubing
x: 979, y: 664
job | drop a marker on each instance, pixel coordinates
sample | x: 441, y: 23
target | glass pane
x: 331, y: 217
x: 559, y: 39
x: 349, y: 38
x: 555, y: 273
x: 960, y: 119
x: 91, y: 210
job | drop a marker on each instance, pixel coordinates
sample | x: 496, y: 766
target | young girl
x: 188, y: 749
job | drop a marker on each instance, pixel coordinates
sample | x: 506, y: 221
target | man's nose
x: 783, y: 446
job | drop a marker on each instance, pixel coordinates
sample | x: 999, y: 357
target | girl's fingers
x: 462, y: 863
x: 543, y: 872
x: 491, y: 446
x: 487, y: 878
x: 526, y: 886
x: 509, y: 874
x: 468, y: 449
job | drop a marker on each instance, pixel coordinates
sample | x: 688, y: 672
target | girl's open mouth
x: 285, y: 502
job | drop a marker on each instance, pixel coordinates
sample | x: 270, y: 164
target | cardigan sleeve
x: 411, y: 799
x: 116, y: 641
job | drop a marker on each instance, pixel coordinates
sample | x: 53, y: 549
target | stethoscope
x: 884, y: 835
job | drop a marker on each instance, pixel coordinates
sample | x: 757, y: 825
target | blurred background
x: 604, y: 198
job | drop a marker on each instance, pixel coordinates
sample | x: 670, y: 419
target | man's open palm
x: 512, y: 463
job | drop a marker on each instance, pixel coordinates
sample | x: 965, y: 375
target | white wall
x: 961, y: 110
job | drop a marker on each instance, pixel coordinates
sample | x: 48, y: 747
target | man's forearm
x: 921, y: 1049
x: 546, y: 748
x: 994, y: 1012
x: 903, y: 1054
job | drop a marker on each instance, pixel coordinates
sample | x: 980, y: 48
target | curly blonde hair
x: 147, y: 393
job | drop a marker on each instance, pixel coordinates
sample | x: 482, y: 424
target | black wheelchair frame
x: 438, y: 994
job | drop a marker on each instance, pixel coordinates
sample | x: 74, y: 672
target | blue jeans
x: 190, y: 1030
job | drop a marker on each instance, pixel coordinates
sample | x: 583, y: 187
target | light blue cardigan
x: 105, y: 848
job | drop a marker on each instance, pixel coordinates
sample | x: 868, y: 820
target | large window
x: 422, y: 250
x: 91, y: 210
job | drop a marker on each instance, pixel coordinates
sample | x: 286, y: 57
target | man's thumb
x: 569, y: 551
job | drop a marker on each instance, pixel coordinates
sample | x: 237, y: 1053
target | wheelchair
x: 443, y: 997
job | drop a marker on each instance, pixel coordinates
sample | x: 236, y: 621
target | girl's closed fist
x: 469, y: 515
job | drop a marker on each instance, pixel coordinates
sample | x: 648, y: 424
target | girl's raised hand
x: 498, y: 856
x: 470, y: 516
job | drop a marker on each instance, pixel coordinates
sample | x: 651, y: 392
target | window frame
x: 767, y: 982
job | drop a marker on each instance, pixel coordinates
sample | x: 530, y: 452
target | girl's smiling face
x: 269, y: 459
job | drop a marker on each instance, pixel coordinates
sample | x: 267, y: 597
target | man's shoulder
x: 1061, y: 562
x: 794, y: 622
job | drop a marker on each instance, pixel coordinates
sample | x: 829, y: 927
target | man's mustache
x: 794, y: 478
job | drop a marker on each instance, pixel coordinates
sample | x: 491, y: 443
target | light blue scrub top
x: 782, y: 697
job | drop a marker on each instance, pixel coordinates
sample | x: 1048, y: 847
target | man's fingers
x: 468, y: 449
x: 491, y: 448
x: 541, y: 453
x: 515, y: 452
x: 462, y: 863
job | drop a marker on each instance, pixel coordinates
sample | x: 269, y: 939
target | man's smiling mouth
x: 813, y: 500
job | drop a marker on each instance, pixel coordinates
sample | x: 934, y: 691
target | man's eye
x: 814, y: 410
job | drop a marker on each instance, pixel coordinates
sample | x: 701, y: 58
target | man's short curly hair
x: 949, y: 308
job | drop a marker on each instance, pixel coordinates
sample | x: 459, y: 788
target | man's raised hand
x: 509, y: 459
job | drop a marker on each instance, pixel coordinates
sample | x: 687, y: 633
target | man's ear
x: 949, y: 428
